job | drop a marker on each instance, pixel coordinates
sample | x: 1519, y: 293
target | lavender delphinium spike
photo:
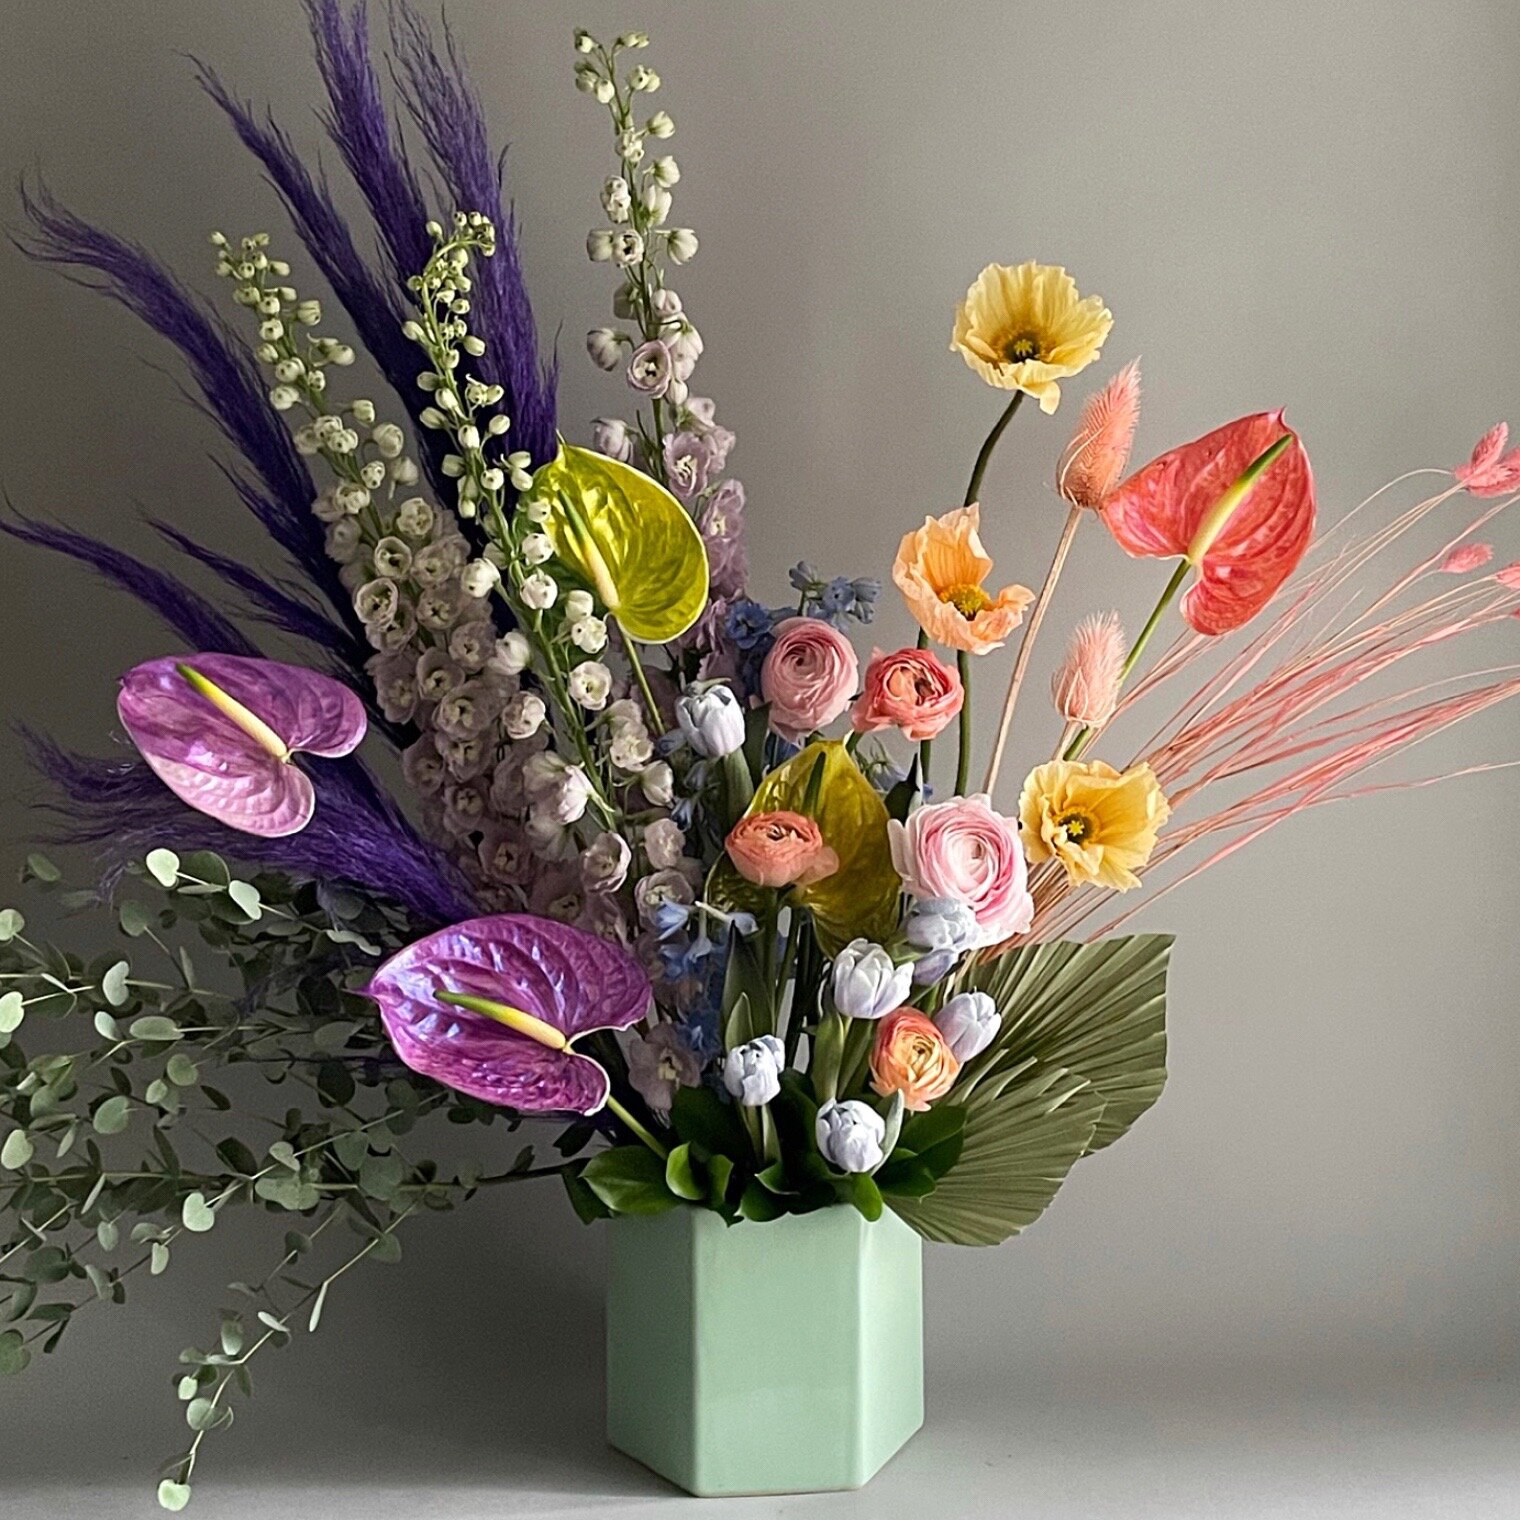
x: 448, y: 113
x: 372, y: 304
x: 356, y: 834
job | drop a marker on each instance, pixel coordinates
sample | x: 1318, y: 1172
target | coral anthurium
x: 221, y: 731
x: 492, y: 1006
x: 1241, y: 519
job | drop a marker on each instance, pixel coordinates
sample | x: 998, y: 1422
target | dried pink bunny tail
x: 1468, y: 557
x: 1086, y: 687
x: 1099, y: 450
x: 1490, y: 471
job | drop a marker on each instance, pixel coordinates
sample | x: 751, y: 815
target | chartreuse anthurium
x: 858, y: 900
x: 627, y: 538
x: 493, y: 1006
x: 221, y: 731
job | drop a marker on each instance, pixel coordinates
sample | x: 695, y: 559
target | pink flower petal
x: 1509, y: 576
x: 1490, y: 471
x: 1157, y: 511
x: 569, y: 979
x: 209, y: 761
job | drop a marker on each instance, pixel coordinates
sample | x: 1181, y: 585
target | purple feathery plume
x: 357, y: 834
x: 359, y: 123
x: 371, y: 303
x: 437, y: 93
x: 233, y: 393
x: 188, y: 613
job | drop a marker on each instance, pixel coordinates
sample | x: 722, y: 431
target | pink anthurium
x: 1237, y: 505
x: 492, y: 1006
x: 221, y: 732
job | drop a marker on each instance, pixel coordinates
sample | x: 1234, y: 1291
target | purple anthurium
x: 491, y: 1007
x: 221, y: 732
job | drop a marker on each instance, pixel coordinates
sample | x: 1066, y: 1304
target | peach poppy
x: 940, y: 568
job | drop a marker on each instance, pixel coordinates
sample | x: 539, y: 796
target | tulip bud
x: 940, y: 923
x: 711, y: 721
x: 752, y: 1072
x: 867, y: 984
x: 850, y: 1136
x: 969, y: 1023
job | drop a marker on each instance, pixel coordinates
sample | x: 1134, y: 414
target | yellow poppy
x: 1024, y: 328
x: 1100, y: 825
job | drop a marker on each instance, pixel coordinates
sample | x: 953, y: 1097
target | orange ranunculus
x: 780, y: 850
x: 912, y: 1057
x: 940, y: 568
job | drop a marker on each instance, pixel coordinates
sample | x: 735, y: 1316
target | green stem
x: 979, y: 469
x: 963, y: 760
x: 638, y: 1129
x: 1084, y: 735
x: 638, y: 674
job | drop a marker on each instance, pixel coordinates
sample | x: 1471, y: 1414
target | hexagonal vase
x: 764, y: 1358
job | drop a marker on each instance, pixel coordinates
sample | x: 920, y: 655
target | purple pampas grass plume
x: 437, y: 93
x: 357, y: 834
x: 359, y: 123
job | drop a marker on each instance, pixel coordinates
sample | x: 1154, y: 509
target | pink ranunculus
x: 912, y: 690
x: 780, y: 850
x: 963, y: 850
x: 808, y: 677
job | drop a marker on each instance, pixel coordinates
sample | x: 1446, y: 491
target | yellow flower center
x: 967, y: 600
x: 1022, y: 349
x: 1077, y: 827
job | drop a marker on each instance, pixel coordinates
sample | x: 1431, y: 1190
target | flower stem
x: 638, y: 1129
x: 1026, y: 647
x: 1084, y: 735
x: 638, y: 674
x: 963, y: 759
x: 979, y: 469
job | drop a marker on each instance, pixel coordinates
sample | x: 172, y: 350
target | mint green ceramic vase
x: 764, y: 1358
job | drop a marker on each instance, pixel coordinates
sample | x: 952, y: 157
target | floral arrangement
x: 742, y: 911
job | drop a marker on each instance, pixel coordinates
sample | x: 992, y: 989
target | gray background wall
x: 1284, y: 203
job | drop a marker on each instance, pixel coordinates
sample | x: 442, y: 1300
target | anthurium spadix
x: 627, y: 538
x: 222, y: 731
x: 493, y: 1006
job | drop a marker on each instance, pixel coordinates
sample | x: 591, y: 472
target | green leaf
x: 700, y: 1117
x: 14, y: 1355
x: 759, y: 1205
x: 231, y: 1335
x: 107, y: 1027
x: 720, y: 1172
x: 112, y: 1116
x: 12, y: 1011
x: 16, y: 1151
x: 381, y: 1176
x: 628, y: 539
x: 173, y: 1496
x: 316, y: 1309
x: 153, y: 1026
x: 11, y: 924
x: 158, y: 1253
x: 387, y: 1249
x: 866, y: 1196
x: 199, y: 1413
x: 246, y: 896
x: 681, y: 1176
x: 163, y: 867
x: 181, y: 1070
x: 1096, y: 1009
x: 629, y: 1179
x: 937, y: 1137
x: 134, y: 918
x: 273, y: 1322
x: 40, y: 867
x: 828, y: 1054
x: 196, y: 1214
x: 1020, y: 1142
x: 588, y: 1207
x: 283, y: 1152
x: 113, y: 985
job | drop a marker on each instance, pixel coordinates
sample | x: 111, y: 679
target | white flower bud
x: 752, y: 1071
x: 969, y: 1023
x: 660, y: 125
x: 657, y: 782
x: 866, y: 983
x: 288, y: 371
x: 851, y: 1135
x: 645, y: 81
x: 605, y: 347
x: 656, y: 201
x: 283, y: 397
x: 589, y: 634
x: 524, y: 715
x: 538, y: 512
x: 599, y: 244
x: 627, y: 247
x: 431, y: 417
x: 414, y: 518
x: 388, y: 440
x: 682, y: 244
x: 364, y: 411
x: 479, y: 578
x: 666, y: 171
x: 405, y: 472
x: 616, y: 201
x: 537, y: 548
x: 309, y: 313
x: 712, y: 721
x: 513, y: 653
x: 590, y: 684
x: 539, y: 591
x: 578, y: 604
